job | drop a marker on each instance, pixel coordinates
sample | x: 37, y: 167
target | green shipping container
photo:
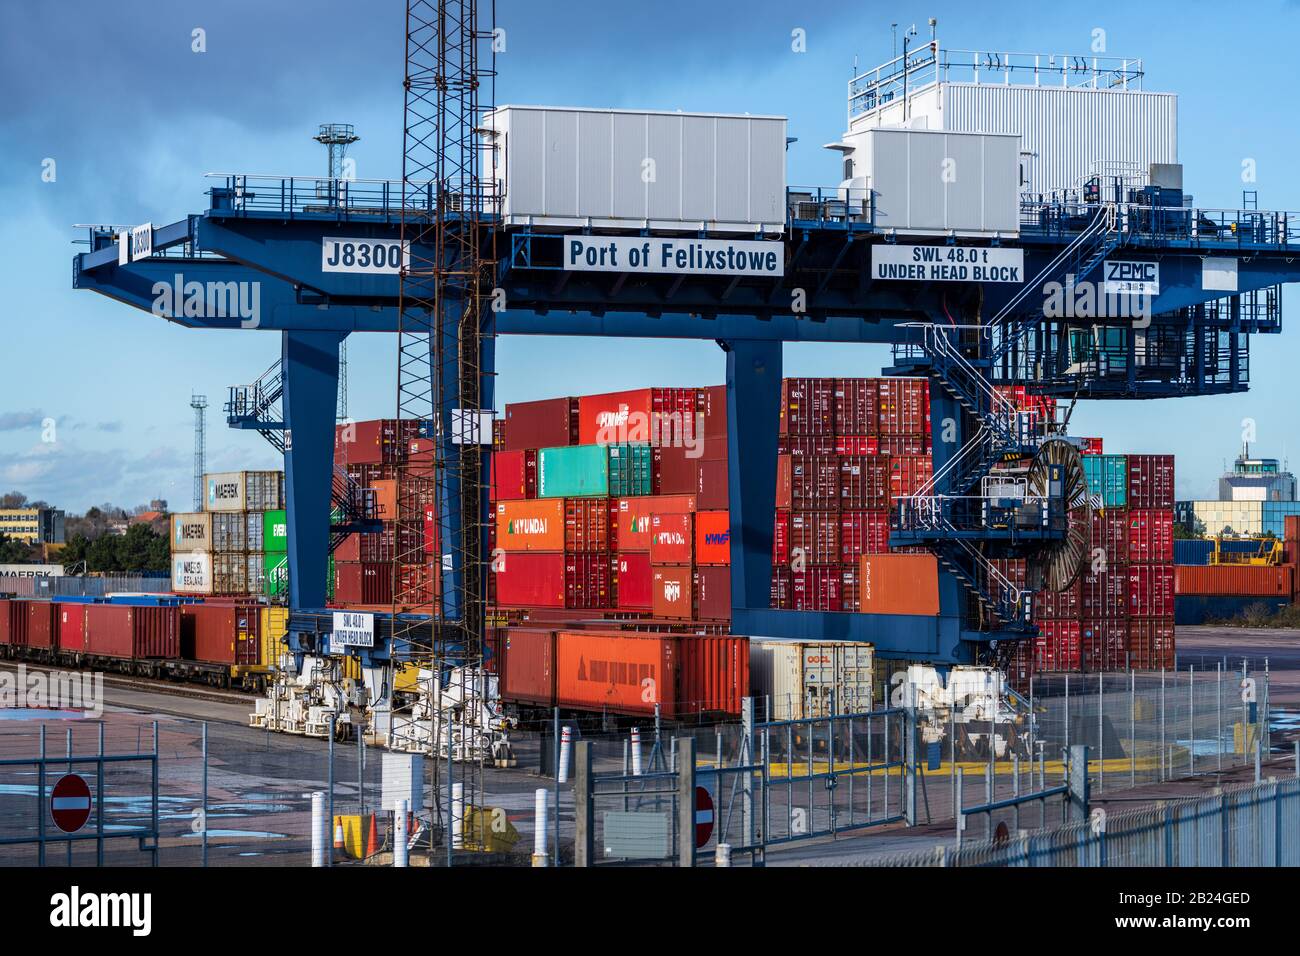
x: 575, y: 471
x: 1107, y: 479
x: 631, y: 470
x: 275, y: 531
x: 275, y: 566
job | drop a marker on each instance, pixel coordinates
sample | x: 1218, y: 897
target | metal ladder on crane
x: 258, y: 407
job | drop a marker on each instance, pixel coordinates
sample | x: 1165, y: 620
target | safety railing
x: 242, y: 193
x: 829, y: 205
x: 1061, y: 219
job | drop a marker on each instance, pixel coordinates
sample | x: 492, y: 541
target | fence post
x: 1163, y: 752
x: 205, y: 792
x: 745, y: 759
x: 318, y: 843
x: 1077, y: 781
x: 685, y: 801
x: 1132, y: 728
x: 1101, y: 731
x: 956, y: 812
x: 1218, y: 746
x: 1191, y: 722
x: 584, y: 842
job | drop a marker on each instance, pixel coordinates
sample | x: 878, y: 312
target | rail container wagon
x: 624, y: 672
x: 218, y: 644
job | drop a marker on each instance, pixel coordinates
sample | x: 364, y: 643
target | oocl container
x: 796, y: 680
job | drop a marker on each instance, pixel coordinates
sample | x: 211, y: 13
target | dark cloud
x: 17, y: 421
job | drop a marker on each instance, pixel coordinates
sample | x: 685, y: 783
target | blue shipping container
x: 1107, y: 479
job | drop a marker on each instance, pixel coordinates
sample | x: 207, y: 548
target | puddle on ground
x: 38, y: 713
x: 237, y: 835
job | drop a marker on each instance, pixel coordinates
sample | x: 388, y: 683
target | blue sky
x: 134, y: 119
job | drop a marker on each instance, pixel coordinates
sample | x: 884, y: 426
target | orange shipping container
x: 386, y: 499
x: 633, y: 518
x: 1233, y: 580
x: 535, y: 524
x: 671, y: 592
x: 898, y: 584
x: 713, y: 537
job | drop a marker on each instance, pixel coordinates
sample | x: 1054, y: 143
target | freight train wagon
x: 222, y: 645
x: 622, y: 672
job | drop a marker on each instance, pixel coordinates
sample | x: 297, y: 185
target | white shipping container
x: 192, y: 572
x: 810, y: 678
x: 634, y: 169
x: 209, y: 572
x: 191, y: 532
x: 244, y: 491
x: 935, y: 183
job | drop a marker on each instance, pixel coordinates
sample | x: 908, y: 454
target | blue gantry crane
x: 968, y: 301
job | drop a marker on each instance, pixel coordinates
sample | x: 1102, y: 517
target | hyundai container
x: 632, y: 518
x: 532, y: 525
x: 672, y: 539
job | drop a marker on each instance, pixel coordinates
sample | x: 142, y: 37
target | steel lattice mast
x: 444, y: 316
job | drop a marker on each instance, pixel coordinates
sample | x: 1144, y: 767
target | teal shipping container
x: 1107, y: 479
x: 631, y: 470
x: 573, y: 471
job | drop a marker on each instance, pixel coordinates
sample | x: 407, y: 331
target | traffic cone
x: 339, y: 849
x: 372, y: 840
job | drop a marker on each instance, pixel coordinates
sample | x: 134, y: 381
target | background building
x: 32, y: 525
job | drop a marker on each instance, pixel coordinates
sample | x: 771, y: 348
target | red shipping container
x: 634, y: 583
x: 711, y: 488
x: 430, y: 529
x: 784, y: 480
x: 904, y: 445
x: 42, y: 625
x: 857, y: 407
x: 816, y: 589
x: 857, y: 445
x: 675, y: 471
x: 863, y: 532
x: 814, y: 537
x: 814, y: 484
x: 713, y: 406
x: 221, y: 633
x: 672, y: 539
x: 849, y: 596
x: 633, y: 531
x: 1151, y: 643
x: 807, y: 406
x: 1058, y: 605
x: 713, y: 537
x: 72, y: 626
x: 1057, y: 646
x: 586, y: 524
x: 1238, y: 580
x: 1092, y: 446
x: 139, y: 633
x: 382, y: 441
x: 528, y: 676
x: 782, y: 596
x: 1103, y: 596
x: 713, y: 593
x: 546, y: 424
x: 672, y: 594
x: 588, y: 581
x: 1150, y: 481
x: 664, y: 417
x: 904, y: 406
x: 363, y: 583
x: 907, y: 473
x: 781, y: 538
x: 864, y: 481
x: 1110, y: 534
x: 714, y: 449
x: 1151, y: 536
x: 1151, y: 590
x: 1104, y: 645
x: 418, y: 585
x: 13, y: 622
x: 804, y: 446
x: 530, y: 579
x: 514, y: 474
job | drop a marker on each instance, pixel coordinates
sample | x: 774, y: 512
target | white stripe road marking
x: 72, y: 803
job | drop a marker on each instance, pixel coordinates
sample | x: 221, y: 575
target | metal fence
x: 1254, y: 825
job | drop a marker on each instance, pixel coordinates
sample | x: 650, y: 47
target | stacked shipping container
x: 220, y: 550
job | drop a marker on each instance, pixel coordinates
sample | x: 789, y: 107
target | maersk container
x: 191, y: 532
x: 1107, y: 479
x: 560, y: 166
x: 575, y: 471
x: 244, y: 491
x: 802, y: 679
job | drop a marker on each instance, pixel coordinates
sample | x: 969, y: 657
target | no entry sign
x: 703, y: 817
x: 70, y: 803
